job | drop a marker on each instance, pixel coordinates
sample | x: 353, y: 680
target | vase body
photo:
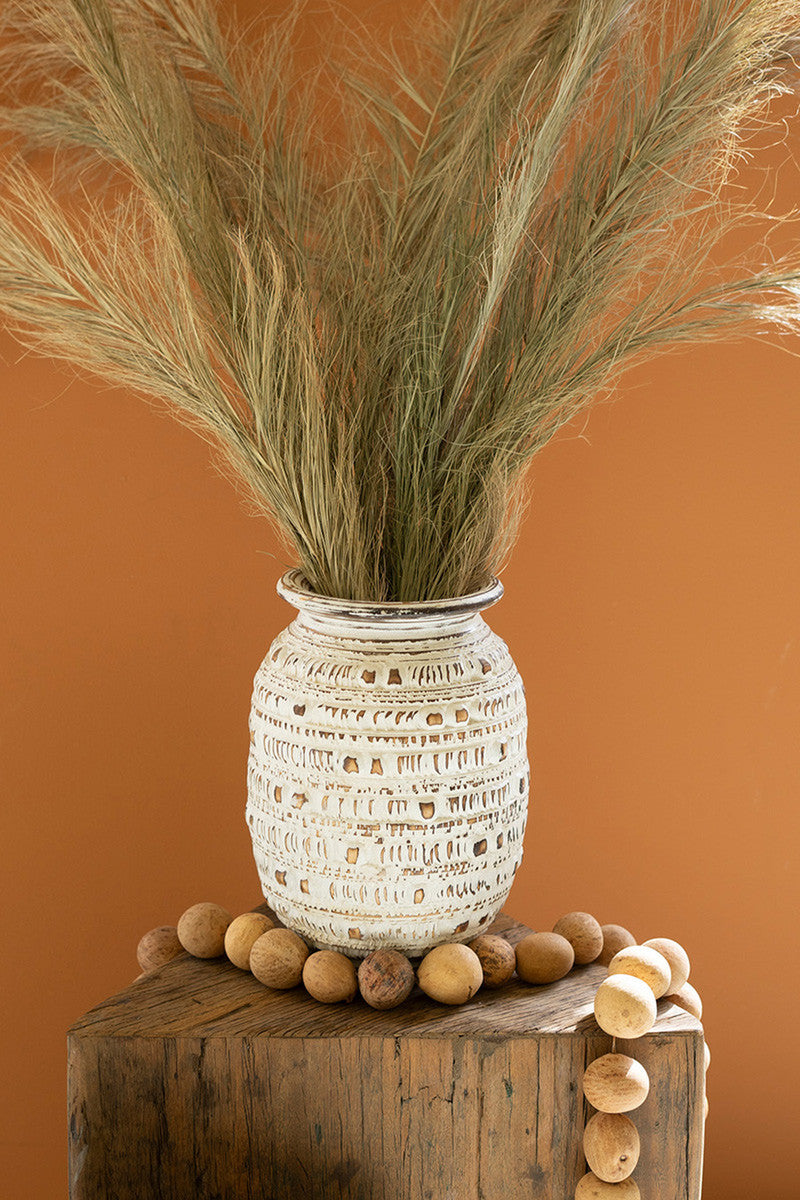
x: 388, y: 776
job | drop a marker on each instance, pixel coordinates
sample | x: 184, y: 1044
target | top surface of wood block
x: 190, y: 997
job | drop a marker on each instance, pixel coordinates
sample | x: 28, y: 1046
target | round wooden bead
x: 277, y: 958
x: 157, y: 947
x: 583, y: 933
x: 330, y: 977
x: 240, y: 935
x: 706, y: 1056
x: 497, y: 958
x: 450, y: 973
x: 615, y: 938
x: 688, y: 998
x: 385, y: 979
x: 611, y: 1145
x: 677, y: 958
x: 624, y: 1006
x: 544, y: 957
x: 592, y: 1188
x: 645, y: 963
x: 201, y: 930
x: 615, y: 1083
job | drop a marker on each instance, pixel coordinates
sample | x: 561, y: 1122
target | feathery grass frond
x: 381, y: 328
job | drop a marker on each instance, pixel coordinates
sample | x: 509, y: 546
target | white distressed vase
x: 388, y: 776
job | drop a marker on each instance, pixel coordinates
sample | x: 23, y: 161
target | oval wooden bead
x: 450, y: 973
x: 330, y: 977
x: 385, y: 979
x: 688, y: 998
x: 277, y: 958
x: 625, y: 1007
x: 677, y: 958
x: 615, y: 1083
x: 497, y: 958
x: 544, y: 957
x: 583, y: 933
x: 202, y: 928
x: 241, y: 934
x: 615, y: 938
x: 592, y: 1188
x: 611, y: 1146
x: 645, y: 963
x: 158, y: 946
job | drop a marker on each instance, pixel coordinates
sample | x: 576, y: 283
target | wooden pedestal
x: 196, y: 1083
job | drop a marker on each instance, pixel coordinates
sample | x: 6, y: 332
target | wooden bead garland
x: 592, y: 1188
x: 497, y: 958
x: 385, y: 979
x: 611, y: 1146
x: 544, y: 957
x: 615, y: 938
x: 615, y: 1083
x: 202, y: 928
x: 688, y: 999
x: 277, y: 958
x: 450, y: 973
x: 625, y: 1006
x: 584, y: 934
x: 642, y: 962
x: 241, y: 934
x: 625, y: 1002
x: 330, y: 977
x: 677, y: 958
x: 158, y: 946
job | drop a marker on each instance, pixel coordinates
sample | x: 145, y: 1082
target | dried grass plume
x: 381, y: 315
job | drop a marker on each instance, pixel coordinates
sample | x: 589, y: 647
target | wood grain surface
x: 197, y: 1082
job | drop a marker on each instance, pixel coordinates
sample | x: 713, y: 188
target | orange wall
x: 653, y: 607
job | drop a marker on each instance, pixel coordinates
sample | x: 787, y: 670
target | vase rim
x: 294, y: 588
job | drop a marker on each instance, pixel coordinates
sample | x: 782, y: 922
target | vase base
x: 411, y: 935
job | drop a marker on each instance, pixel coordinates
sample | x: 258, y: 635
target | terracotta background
x: 653, y: 607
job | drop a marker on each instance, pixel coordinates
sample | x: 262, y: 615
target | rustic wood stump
x: 196, y: 1083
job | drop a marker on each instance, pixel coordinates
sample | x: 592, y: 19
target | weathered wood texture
x: 196, y: 1083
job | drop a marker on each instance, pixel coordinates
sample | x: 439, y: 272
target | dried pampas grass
x: 380, y: 329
